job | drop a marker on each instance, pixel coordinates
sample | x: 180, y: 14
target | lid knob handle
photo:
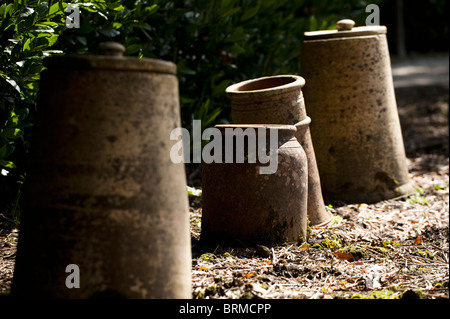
x: 345, y: 25
x: 111, y: 49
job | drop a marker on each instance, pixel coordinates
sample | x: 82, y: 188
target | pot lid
x: 110, y: 57
x: 345, y: 29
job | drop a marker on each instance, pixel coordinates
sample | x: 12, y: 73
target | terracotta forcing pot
x: 241, y: 205
x: 279, y: 99
x: 355, y: 124
x: 101, y: 192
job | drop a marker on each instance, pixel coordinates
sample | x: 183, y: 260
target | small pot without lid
x: 279, y: 99
x: 240, y: 205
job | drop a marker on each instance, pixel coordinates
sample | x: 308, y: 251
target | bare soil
x: 397, y: 248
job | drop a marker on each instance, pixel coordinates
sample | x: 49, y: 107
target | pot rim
x: 72, y: 61
x: 297, y: 82
x: 281, y: 128
x: 303, y: 123
x: 353, y: 33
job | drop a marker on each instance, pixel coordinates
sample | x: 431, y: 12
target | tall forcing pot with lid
x: 106, y: 211
x: 355, y: 124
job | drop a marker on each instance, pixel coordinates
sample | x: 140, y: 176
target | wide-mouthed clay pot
x: 279, y: 99
x: 243, y: 205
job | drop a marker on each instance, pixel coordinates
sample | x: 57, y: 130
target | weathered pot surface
x: 241, y: 205
x: 355, y: 124
x: 279, y: 99
x: 100, y: 193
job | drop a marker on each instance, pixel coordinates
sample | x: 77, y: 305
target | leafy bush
x: 213, y: 43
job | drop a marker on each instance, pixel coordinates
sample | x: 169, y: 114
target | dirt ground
x: 397, y: 248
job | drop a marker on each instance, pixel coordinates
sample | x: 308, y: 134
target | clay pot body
x: 240, y: 205
x: 355, y: 124
x: 279, y: 100
x: 101, y: 192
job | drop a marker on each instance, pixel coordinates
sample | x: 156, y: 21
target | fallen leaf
x: 418, y: 241
x: 250, y: 275
x: 372, y: 277
x: 259, y: 289
x: 203, y: 268
x: 344, y: 256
